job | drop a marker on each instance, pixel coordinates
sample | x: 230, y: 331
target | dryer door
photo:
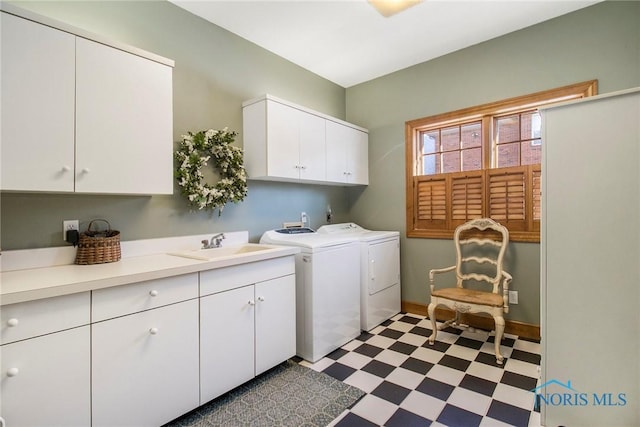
x: 384, y: 265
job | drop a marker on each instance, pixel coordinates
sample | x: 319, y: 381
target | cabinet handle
x: 153, y: 293
x: 261, y: 299
x: 153, y: 331
x: 252, y: 302
x: 13, y: 372
x: 66, y: 168
x: 12, y: 322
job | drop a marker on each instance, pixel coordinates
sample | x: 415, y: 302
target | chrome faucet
x: 216, y: 241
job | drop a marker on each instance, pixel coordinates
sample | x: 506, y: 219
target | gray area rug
x: 287, y: 395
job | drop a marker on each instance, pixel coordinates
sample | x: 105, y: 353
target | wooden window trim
x: 527, y: 230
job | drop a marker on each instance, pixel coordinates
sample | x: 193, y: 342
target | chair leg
x: 498, y: 338
x: 431, y: 310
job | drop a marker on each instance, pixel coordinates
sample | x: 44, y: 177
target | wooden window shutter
x: 467, y: 197
x: 431, y: 197
x: 507, y: 196
x: 536, y: 197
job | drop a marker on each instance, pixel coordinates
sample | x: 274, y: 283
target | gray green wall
x: 216, y: 70
x: 600, y: 42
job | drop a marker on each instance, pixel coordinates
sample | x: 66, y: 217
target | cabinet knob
x: 66, y: 168
x: 13, y: 372
x: 252, y: 302
x: 153, y: 331
x: 153, y: 293
x: 303, y: 167
x: 12, y: 322
x: 86, y: 170
x: 260, y: 299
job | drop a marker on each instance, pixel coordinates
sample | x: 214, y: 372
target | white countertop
x: 44, y: 282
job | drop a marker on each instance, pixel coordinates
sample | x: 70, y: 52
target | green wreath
x: 194, y: 153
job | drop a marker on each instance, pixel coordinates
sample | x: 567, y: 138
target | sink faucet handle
x: 205, y: 244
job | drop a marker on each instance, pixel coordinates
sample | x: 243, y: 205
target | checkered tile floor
x: 455, y: 382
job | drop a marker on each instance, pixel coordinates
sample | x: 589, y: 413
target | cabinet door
x: 145, y: 366
x: 38, y: 89
x: 283, y: 141
x: 275, y: 321
x: 124, y: 119
x: 226, y: 341
x: 313, y: 155
x: 384, y: 265
x: 46, y: 380
x: 358, y: 157
x: 347, y: 154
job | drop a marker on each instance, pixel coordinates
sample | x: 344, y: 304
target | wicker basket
x: 98, y: 247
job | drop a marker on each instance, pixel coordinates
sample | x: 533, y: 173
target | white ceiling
x: 349, y: 42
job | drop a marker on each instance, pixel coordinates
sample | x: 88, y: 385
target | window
x: 477, y: 162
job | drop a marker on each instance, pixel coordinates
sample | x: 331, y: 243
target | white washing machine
x: 380, y: 271
x: 327, y: 289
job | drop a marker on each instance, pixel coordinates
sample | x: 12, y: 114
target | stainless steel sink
x: 223, y: 252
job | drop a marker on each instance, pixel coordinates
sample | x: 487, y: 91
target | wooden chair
x: 480, y: 248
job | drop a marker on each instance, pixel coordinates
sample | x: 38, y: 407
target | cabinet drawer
x: 223, y: 279
x: 127, y: 299
x: 44, y: 316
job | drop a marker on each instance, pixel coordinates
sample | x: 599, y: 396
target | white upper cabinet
x: 82, y: 116
x: 287, y: 142
x: 295, y: 143
x: 38, y: 86
x: 123, y: 122
x: 348, y: 150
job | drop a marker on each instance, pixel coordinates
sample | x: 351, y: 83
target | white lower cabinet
x: 145, y: 353
x: 275, y: 334
x: 145, y: 366
x: 46, y: 380
x: 45, y: 362
x: 244, y: 332
x: 226, y: 349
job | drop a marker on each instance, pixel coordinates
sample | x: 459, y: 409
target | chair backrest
x: 480, y: 248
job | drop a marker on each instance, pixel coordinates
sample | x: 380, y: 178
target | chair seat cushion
x: 469, y: 296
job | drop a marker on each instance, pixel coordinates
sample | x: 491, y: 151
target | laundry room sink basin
x: 224, y: 252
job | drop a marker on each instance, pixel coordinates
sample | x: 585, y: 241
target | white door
x: 384, y: 265
x: 46, y: 380
x: 337, y: 141
x: 358, y: 157
x: 347, y: 154
x: 145, y: 366
x: 38, y: 95
x: 124, y: 128
x: 313, y: 155
x: 275, y: 322
x: 590, y: 248
x: 283, y: 141
x: 226, y: 341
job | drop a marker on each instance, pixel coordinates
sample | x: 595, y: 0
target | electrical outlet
x: 304, y: 218
x: 70, y: 224
x: 513, y: 297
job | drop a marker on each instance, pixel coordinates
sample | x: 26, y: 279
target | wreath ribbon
x: 194, y: 153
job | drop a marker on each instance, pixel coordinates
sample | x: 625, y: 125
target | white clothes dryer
x: 327, y: 289
x: 380, y: 271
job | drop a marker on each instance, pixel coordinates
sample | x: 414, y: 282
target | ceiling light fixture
x: 391, y: 7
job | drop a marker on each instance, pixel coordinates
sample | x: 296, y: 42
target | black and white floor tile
x: 455, y: 382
